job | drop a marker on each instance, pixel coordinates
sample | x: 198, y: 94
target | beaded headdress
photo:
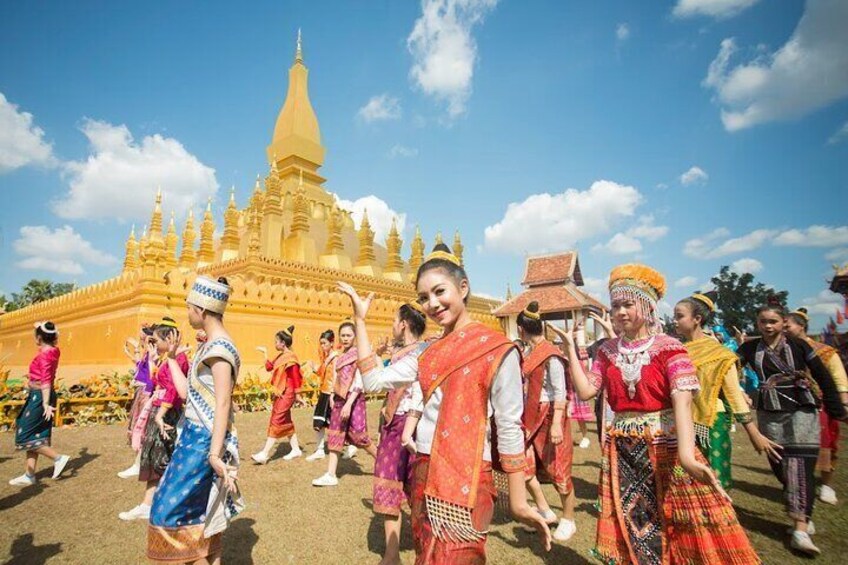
x: 209, y: 294
x: 641, y: 284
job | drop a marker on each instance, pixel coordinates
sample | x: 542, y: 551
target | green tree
x: 36, y: 291
x: 739, y: 296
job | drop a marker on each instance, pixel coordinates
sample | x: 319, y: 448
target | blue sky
x: 686, y: 134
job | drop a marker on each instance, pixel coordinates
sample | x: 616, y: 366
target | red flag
x: 831, y: 325
x: 839, y: 319
x: 846, y: 305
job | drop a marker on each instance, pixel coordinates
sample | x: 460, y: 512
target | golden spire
x: 394, y: 262
x: 296, y: 132
x: 131, y: 258
x: 366, y: 242
x: 156, y: 219
x: 300, y: 221
x: 273, y: 200
x: 508, y: 292
x: 335, y: 245
x: 254, y: 233
x: 417, y: 256
x: 258, y: 196
x: 298, y: 55
x: 206, y: 254
x: 439, y: 238
x: 230, y: 238
x: 188, y: 257
x: 458, y: 248
x: 171, y: 241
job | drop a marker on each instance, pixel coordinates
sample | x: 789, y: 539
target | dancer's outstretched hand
x: 772, y: 449
x: 530, y: 517
x: 703, y: 474
x: 360, y: 305
x: 567, y: 335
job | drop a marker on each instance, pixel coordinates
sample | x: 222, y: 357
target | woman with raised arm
x: 797, y: 324
x: 326, y: 373
x: 34, y: 424
x: 393, y: 466
x: 718, y: 375
x: 469, y: 376
x: 791, y: 377
x: 348, y: 418
x: 659, y: 500
x: 546, y: 422
x: 286, y: 381
x: 198, y: 495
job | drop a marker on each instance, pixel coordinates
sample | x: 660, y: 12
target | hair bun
x: 773, y: 300
x: 442, y: 247
x: 712, y: 295
x: 804, y: 310
x: 291, y: 329
x: 533, y: 307
x: 223, y: 280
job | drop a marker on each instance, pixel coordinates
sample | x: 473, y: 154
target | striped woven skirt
x: 651, y: 511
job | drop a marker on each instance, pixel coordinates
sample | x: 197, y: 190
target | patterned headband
x: 209, y: 295
x: 704, y: 299
x: 444, y: 256
x: 801, y: 314
x: 531, y: 315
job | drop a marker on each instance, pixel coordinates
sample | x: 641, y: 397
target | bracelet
x: 213, y: 455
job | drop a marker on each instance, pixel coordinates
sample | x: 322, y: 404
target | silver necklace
x: 630, y: 363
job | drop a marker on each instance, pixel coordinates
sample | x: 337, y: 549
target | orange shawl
x: 463, y: 364
x: 534, y: 372
x: 279, y: 366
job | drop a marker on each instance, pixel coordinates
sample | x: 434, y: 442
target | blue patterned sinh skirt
x: 177, y: 518
x: 31, y: 429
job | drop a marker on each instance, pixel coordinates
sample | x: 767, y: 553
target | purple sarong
x: 392, y: 470
x: 355, y: 430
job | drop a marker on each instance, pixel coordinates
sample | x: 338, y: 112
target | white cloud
x: 685, y: 282
x: 444, y: 51
x: 712, y: 8
x: 838, y: 135
x: 379, y: 108
x: 694, y: 175
x: 705, y: 247
x: 837, y: 254
x: 119, y: 179
x: 402, y: 151
x: 622, y: 32
x: 61, y: 250
x: 629, y: 241
x: 21, y: 141
x: 809, y: 72
x: 698, y: 246
x: 620, y: 244
x: 596, y: 288
x: 545, y: 222
x: 746, y: 265
x: 824, y: 303
x: 814, y: 236
x: 380, y: 215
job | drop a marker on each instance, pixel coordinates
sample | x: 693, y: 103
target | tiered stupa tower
x: 282, y: 254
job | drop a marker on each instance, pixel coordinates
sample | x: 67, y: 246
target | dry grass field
x: 75, y: 519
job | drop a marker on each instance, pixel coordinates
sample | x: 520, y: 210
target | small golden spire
x: 394, y: 262
x: 417, y: 256
x: 156, y: 219
x: 131, y: 257
x: 298, y: 56
x: 439, y: 238
x: 335, y: 244
x: 188, y: 256
x: 230, y: 237
x: 171, y: 241
x: 366, y: 242
x: 458, y: 248
x: 254, y: 234
x: 206, y: 254
x: 300, y: 220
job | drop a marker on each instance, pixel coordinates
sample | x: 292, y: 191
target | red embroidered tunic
x: 670, y: 369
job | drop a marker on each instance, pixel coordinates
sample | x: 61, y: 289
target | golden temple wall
x: 268, y: 295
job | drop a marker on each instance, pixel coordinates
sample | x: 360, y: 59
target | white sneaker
x: 326, y: 480
x: 59, y: 465
x: 827, y: 495
x: 811, y: 529
x: 350, y: 452
x: 129, y: 472
x: 584, y: 443
x: 140, y: 512
x: 565, y: 530
x: 293, y: 454
x: 24, y: 480
x: 260, y: 458
x: 802, y: 542
x: 319, y: 454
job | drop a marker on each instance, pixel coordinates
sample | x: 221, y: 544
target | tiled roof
x: 561, y: 298
x: 552, y: 269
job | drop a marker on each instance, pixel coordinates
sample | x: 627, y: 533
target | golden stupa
x: 282, y: 255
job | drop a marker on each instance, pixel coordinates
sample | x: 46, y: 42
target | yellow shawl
x: 712, y: 361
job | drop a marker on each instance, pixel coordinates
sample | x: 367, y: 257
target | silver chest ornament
x: 630, y: 363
